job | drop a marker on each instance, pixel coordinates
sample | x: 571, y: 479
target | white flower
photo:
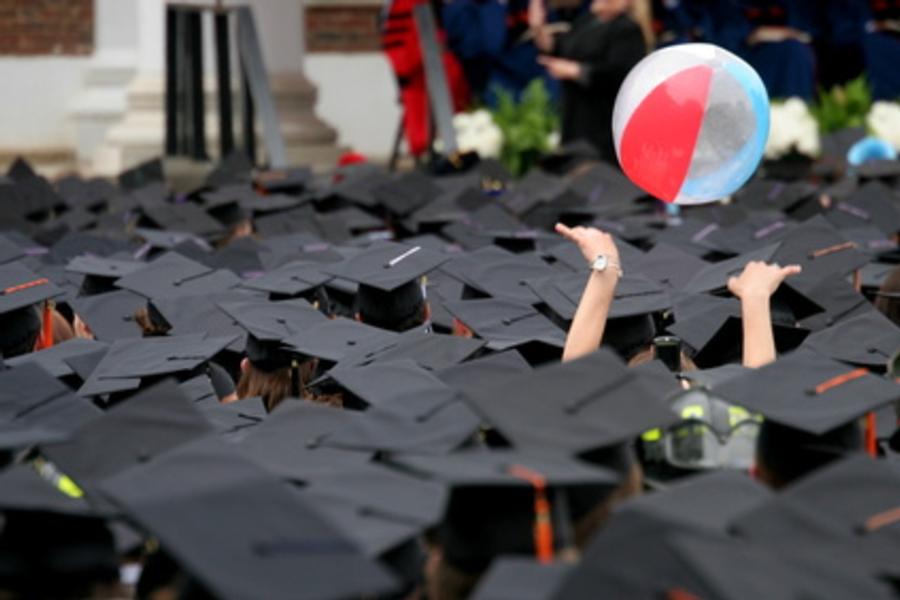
x: 884, y: 122
x: 792, y: 128
x: 553, y: 140
x: 477, y: 132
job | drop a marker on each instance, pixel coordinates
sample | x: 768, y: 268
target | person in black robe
x: 591, y: 60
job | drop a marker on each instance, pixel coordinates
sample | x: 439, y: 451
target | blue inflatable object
x: 870, y: 148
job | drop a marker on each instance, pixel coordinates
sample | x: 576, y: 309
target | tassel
x: 543, y: 525
x: 45, y: 339
x: 871, y: 435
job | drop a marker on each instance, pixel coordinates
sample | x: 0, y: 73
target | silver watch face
x: 600, y: 263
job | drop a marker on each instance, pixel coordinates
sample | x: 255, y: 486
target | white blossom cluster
x: 792, y: 128
x: 884, y: 122
x: 477, y: 132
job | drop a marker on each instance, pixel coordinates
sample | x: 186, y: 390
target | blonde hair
x: 641, y: 12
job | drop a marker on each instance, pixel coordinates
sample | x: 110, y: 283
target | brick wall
x: 344, y: 28
x: 41, y: 27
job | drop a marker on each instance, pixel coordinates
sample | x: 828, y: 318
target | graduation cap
x: 390, y: 294
x: 405, y: 193
x: 231, y: 169
x: 333, y: 339
x: 20, y: 290
x: 431, y: 351
x: 382, y: 510
x: 20, y: 170
x: 505, y: 325
x: 712, y: 328
x: 36, y: 408
x: 471, y: 374
x: 110, y: 316
x: 809, y: 392
x: 150, y: 171
x: 173, y: 275
x: 168, y: 240
x: 846, y: 507
x: 491, y: 509
x: 714, y: 279
x: 521, y: 578
x: 290, y: 441
x: 101, y: 273
x: 188, y: 498
x: 377, y: 383
x: 185, y: 217
x: 821, y: 251
x: 869, y: 339
x: 55, y: 360
x: 268, y: 323
x: 635, y: 295
x: 129, y: 361
x: 578, y: 406
x: 496, y: 273
x: 872, y: 204
x: 184, y: 315
x: 10, y: 251
x: 758, y: 229
x: 840, y: 300
x: 666, y: 264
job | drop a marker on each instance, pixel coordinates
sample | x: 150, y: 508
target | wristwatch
x: 604, y: 262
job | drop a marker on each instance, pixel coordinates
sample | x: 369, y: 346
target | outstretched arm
x: 586, y: 332
x: 755, y: 287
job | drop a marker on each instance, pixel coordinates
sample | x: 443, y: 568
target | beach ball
x: 691, y: 123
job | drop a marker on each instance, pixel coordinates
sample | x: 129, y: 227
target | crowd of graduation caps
x: 402, y: 424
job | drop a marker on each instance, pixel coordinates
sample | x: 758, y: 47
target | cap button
x: 873, y: 350
x: 351, y: 342
x: 143, y: 456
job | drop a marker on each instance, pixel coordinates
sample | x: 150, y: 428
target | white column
x: 140, y: 133
x: 101, y: 102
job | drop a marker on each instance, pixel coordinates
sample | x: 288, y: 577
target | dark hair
x: 19, y: 331
x: 786, y: 454
x: 398, y: 310
x: 889, y: 302
x: 151, y: 322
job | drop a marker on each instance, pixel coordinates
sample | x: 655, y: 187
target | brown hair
x: 148, y: 327
x: 62, y: 330
x: 890, y: 306
x: 275, y: 386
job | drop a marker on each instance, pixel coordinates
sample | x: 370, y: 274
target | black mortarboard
x: 758, y: 229
x: 405, y: 193
x: 192, y: 498
x: 138, y: 176
x: 431, y: 351
x: 292, y: 279
x: 20, y: 324
x: 821, y: 251
x: 879, y: 169
x: 129, y: 361
x: 666, y: 264
x: 506, y: 325
x: 714, y: 279
x: 472, y: 374
x: 290, y: 441
x: 268, y: 323
x: 491, y: 507
x: 379, y: 508
x: 840, y: 300
x: 201, y: 313
x: 872, y: 204
x: 809, y: 392
x: 635, y: 295
x: 20, y: 170
x: 380, y: 382
x: 711, y: 327
x: 499, y: 274
x: 520, y: 578
x: 110, y: 316
x: 168, y: 240
x: 101, y: 273
x: 184, y: 217
x: 55, y: 359
x: 387, y: 266
x: 333, y: 339
x: 174, y: 275
x: 149, y: 423
x: 35, y: 407
x: 869, y: 340
x: 591, y: 403
x: 437, y: 422
x: 9, y: 250
x: 845, y: 507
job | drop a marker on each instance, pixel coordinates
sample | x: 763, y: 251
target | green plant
x: 843, y: 106
x: 526, y: 125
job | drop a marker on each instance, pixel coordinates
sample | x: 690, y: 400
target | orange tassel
x: 45, y: 340
x: 871, y: 435
x: 543, y: 525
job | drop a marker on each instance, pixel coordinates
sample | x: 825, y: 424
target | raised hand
x: 591, y: 241
x: 759, y: 280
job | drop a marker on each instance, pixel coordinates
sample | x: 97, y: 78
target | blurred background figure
x: 591, y: 60
x: 881, y: 44
x: 400, y: 41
